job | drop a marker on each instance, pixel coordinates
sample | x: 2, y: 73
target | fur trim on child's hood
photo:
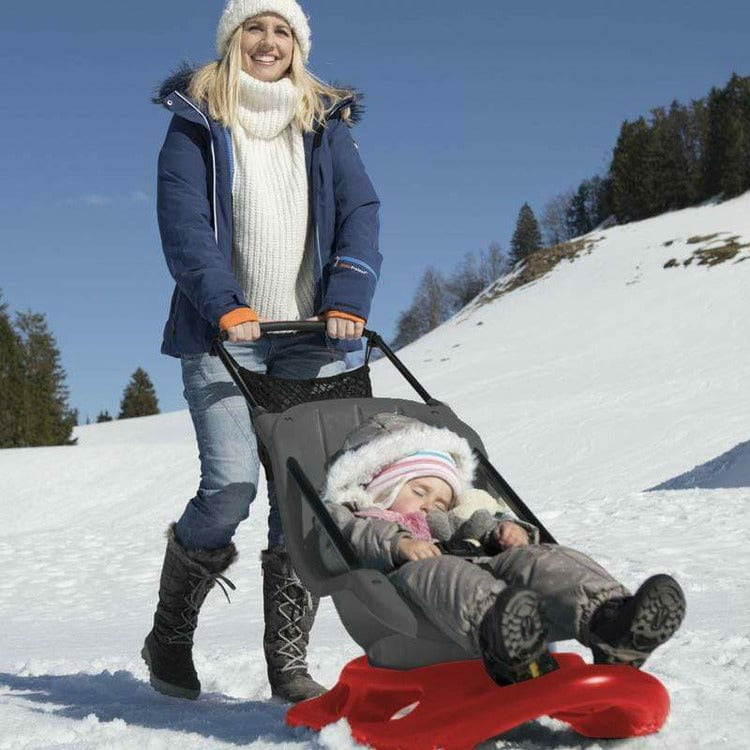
x: 381, y: 440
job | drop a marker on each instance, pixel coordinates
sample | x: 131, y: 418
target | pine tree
x: 713, y: 149
x: 726, y: 167
x: 45, y: 416
x: 11, y: 382
x: 736, y: 156
x: 103, y: 416
x: 672, y: 171
x: 600, y: 197
x: 688, y: 126
x: 733, y: 173
x: 139, y: 398
x: 697, y: 128
x: 743, y: 106
x: 578, y: 217
x: 633, y: 172
x: 526, y: 238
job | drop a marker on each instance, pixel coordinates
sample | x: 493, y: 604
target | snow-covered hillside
x: 609, y: 376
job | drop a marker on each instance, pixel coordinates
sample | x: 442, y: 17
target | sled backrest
x: 370, y: 608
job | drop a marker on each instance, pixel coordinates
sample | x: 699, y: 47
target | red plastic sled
x: 455, y: 705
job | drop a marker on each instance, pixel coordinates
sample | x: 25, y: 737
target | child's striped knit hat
x: 387, y: 483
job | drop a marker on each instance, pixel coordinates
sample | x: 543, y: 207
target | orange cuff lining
x: 237, y: 316
x: 345, y: 316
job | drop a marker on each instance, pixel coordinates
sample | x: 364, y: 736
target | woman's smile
x: 265, y: 59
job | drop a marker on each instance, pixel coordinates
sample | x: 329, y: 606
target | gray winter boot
x: 625, y: 630
x: 289, y: 610
x: 513, y: 638
x: 186, y: 579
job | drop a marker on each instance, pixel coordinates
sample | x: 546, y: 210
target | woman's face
x: 423, y: 494
x: 267, y: 47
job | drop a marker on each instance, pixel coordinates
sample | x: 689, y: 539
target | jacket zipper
x: 213, y: 162
x: 339, y: 106
x: 214, y: 202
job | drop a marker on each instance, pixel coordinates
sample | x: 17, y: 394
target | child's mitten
x: 481, y: 524
x: 440, y: 525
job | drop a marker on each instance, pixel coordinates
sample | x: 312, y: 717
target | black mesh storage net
x: 279, y: 394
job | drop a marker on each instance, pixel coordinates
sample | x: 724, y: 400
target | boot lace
x: 294, y: 600
x: 203, y: 582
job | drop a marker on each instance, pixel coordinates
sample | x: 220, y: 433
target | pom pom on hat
x: 237, y: 11
x: 387, y: 483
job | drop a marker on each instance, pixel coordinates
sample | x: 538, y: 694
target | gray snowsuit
x: 453, y: 592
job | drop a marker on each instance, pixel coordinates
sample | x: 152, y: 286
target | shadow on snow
x: 728, y: 471
x: 120, y: 695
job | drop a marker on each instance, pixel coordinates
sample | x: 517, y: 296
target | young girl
x: 396, y: 492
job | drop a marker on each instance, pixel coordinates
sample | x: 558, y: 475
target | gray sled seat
x: 392, y: 633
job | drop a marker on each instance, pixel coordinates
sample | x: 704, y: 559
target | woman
x: 265, y: 213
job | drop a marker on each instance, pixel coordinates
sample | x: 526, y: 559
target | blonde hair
x: 217, y: 84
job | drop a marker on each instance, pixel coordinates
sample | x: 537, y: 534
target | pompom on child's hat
x: 387, y: 483
x: 237, y: 11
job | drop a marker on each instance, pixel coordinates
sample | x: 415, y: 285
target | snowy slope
x: 610, y: 375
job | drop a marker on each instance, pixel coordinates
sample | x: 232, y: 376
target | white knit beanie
x: 237, y: 11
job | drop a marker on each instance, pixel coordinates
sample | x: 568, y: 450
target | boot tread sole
x: 659, y: 611
x: 521, y: 639
x: 521, y: 628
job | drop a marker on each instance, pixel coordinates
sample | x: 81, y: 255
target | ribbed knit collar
x: 265, y: 109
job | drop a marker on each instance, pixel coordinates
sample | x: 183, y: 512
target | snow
x: 607, y: 377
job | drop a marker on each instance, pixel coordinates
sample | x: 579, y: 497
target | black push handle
x: 300, y: 326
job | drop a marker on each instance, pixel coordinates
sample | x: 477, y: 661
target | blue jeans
x: 226, y: 442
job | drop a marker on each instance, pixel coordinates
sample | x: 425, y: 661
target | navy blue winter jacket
x: 194, y: 207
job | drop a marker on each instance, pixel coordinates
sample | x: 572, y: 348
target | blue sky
x: 472, y: 109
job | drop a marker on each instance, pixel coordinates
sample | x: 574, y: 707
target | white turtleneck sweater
x: 272, y: 253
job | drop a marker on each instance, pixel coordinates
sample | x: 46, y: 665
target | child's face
x: 423, y: 494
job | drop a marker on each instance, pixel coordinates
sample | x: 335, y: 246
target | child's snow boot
x: 626, y: 630
x: 289, y: 610
x: 186, y: 578
x: 513, y: 638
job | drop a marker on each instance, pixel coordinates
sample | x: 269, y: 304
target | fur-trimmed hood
x: 380, y: 441
x: 179, y: 80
